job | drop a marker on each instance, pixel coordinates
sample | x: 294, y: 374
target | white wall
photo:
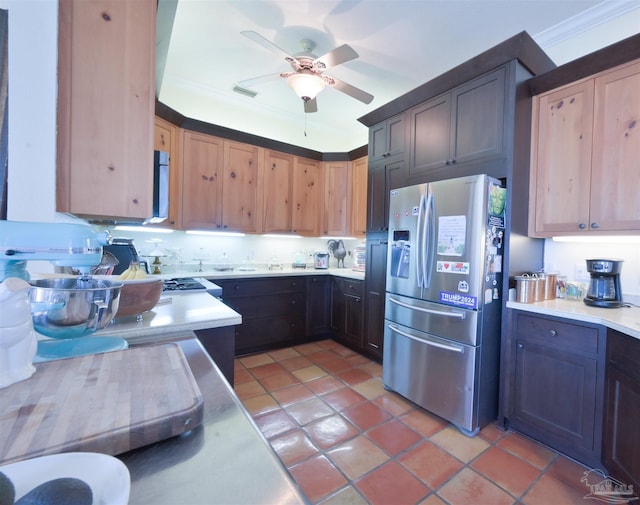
x: 33, y: 43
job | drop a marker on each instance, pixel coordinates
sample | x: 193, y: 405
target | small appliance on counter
x: 604, y: 285
x: 321, y: 260
x: 125, y: 252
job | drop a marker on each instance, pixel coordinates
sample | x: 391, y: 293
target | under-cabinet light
x: 215, y: 233
x: 280, y: 235
x: 601, y: 239
x: 143, y: 229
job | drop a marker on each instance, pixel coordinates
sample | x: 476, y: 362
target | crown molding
x: 586, y: 20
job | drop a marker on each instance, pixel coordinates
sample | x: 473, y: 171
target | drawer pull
x: 553, y: 333
x: 520, y: 346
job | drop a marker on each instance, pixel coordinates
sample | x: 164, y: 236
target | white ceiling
x: 402, y: 44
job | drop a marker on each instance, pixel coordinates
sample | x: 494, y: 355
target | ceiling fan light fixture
x: 306, y: 86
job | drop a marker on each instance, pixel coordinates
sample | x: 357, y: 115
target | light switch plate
x: 581, y: 273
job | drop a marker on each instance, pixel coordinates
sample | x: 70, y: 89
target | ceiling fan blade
x: 256, y: 37
x: 348, y: 89
x: 310, y: 105
x: 247, y: 83
x: 339, y: 55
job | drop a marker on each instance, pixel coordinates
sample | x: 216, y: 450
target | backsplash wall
x: 564, y: 256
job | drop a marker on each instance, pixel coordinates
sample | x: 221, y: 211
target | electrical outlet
x: 581, y: 273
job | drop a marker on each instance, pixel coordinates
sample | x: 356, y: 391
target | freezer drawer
x: 437, y: 374
x: 455, y: 323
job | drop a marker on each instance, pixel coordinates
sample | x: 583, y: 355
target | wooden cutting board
x: 109, y: 403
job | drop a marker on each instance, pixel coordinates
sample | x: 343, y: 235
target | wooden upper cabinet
x: 202, y: 181
x: 307, y: 197
x: 615, y: 171
x: 167, y: 138
x: 359, y: 181
x: 277, y: 190
x: 241, y: 200
x: 561, y: 150
x: 585, y: 152
x: 337, y: 191
x: 106, y: 68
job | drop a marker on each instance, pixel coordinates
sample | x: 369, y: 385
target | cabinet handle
x: 236, y: 287
x: 357, y: 300
x: 293, y: 283
x: 595, y: 225
x: 582, y: 226
x: 553, y: 333
x: 520, y: 346
x: 293, y: 302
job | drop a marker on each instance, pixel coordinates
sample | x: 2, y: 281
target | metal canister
x: 539, y: 281
x: 550, y: 286
x: 526, y: 288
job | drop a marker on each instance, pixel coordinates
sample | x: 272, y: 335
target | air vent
x: 245, y: 91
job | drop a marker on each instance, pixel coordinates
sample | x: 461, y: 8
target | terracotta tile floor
x: 347, y: 440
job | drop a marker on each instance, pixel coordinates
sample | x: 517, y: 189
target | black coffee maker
x: 604, y: 287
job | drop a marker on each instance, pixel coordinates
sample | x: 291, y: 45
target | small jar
x: 561, y: 286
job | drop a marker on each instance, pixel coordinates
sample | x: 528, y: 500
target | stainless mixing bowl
x: 68, y: 308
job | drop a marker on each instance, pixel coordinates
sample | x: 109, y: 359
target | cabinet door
x: 430, y: 134
x: 353, y: 319
x: 359, y: 179
x: 555, y: 399
x: 383, y: 177
x: 337, y: 306
x: 477, y: 124
x: 318, y: 298
x: 240, y: 201
x: 387, y: 138
x: 622, y: 436
x: 166, y: 138
x: 202, y: 181
x: 105, y: 108
x: 337, y: 188
x: 375, y: 280
x: 307, y: 197
x: 615, y: 172
x: 277, y: 192
x: 561, y: 151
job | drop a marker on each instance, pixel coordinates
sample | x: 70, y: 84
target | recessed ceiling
x: 401, y: 45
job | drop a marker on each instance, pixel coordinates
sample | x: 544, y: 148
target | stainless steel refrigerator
x: 444, y: 297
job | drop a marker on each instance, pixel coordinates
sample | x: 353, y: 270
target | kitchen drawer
x: 563, y: 335
x: 251, y: 307
x: 268, y: 333
x: 257, y: 287
x: 352, y: 287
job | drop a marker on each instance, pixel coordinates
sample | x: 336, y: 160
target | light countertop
x: 623, y: 319
x: 261, y: 271
x: 180, y: 313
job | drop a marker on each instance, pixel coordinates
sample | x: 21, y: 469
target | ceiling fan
x: 308, y: 78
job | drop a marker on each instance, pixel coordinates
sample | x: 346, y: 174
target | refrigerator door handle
x: 446, y: 347
x: 420, y: 242
x: 457, y: 315
x: 429, y: 238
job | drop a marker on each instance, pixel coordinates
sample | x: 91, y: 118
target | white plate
x: 107, y: 476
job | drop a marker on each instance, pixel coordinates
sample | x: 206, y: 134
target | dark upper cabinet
x: 388, y: 138
x: 383, y: 177
x: 465, y: 124
x: 621, y: 439
x: 558, y: 384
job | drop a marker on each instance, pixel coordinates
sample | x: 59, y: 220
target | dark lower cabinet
x: 273, y: 310
x: 347, y: 311
x: 375, y: 282
x: 621, y: 445
x: 558, y: 384
x: 220, y: 345
x: 318, y: 312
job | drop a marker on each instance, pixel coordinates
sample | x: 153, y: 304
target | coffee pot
x: 604, y: 286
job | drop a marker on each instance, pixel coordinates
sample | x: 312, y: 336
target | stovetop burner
x: 182, y: 284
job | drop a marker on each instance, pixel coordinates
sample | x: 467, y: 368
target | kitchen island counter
x: 224, y: 460
x: 178, y: 313
x: 623, y: 319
